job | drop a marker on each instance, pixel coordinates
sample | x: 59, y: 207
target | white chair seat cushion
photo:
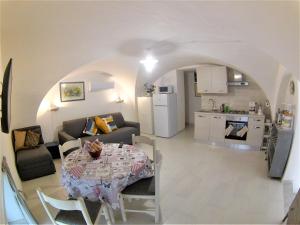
x: 144, y: 186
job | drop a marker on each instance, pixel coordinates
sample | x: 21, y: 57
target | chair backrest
x: 73, y: 144
x: 145, y: 140
x: 63, y: 205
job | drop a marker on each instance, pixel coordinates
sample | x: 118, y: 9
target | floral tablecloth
x: 105, y: 177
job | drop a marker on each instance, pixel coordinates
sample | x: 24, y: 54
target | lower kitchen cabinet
x: 202, y: 126
x: 256, y: 131
x: 209, y: 127
x: 217, y: 128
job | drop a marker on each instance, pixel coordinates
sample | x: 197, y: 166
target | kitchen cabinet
x: 256, y: 131
x: 204, y: 79
x: 209, y: 127
x: 202, y: 126
x: 217, y: 128
x: 212, y: 79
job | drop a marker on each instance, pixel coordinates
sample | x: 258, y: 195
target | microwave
x: 165, y: 89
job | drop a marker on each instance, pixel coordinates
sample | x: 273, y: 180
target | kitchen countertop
x: 229, y: 114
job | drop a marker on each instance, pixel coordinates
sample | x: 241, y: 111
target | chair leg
x: 111, y: 213
x: 122, y: 208
x: 106, y: 214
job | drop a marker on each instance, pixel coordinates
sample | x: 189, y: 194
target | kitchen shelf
x: 266, y: 137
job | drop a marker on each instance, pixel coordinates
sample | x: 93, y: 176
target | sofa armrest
x: 133, y: 124
x: 64, y: 137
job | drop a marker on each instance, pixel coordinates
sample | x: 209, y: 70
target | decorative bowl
x: 93, y: 148
x: 95, y: 154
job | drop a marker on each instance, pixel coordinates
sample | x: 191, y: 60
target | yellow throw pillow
x: 102, y: 125
x: 19, y: 139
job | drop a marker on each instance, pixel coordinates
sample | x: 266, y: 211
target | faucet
x: 213, y: 101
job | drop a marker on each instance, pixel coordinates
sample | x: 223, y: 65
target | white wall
x: 95, y: 103
x: 292, y: 168
x: 237, y: 97
x: 61, y: 36
x: 193, y: 103
x: 50, y: 39
x: 175, y: 78
x: 180, y: 100
x: 2, y: 214
x: 6, y: 150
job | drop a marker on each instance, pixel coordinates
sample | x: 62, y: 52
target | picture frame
x: 72, y: 91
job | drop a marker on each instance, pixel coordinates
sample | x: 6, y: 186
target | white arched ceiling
x: 261, y: 67
x: 50, y: 39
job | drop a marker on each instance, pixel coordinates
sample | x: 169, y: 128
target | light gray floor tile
x: 199, y: 184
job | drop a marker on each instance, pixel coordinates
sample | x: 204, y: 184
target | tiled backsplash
x: 238, y: 97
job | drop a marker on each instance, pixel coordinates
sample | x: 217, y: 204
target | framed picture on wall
x: 71, y: 91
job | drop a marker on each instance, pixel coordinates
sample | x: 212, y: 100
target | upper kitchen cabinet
x: 212, y: 79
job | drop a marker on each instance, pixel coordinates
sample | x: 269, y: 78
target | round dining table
x: 106, y: 176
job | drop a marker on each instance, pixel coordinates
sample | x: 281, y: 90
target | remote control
x: 121, y: 144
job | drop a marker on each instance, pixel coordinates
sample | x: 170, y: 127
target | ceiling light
x: 149, y: 63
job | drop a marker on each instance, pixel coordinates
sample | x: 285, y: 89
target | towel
x: 228, y: 130
x: 242, y: 131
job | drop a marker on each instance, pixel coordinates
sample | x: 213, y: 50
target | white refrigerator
x: 165, y: 114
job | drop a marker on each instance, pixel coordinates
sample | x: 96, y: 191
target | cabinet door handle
x: 257, y: 120
x: 257, y: 127
x: 200, y: 116
x: 217, y: 117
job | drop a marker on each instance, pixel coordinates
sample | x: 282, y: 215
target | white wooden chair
x: 147, y: 188
x: 145, y: 140
x: 73, y: 144
x: 74, y: 211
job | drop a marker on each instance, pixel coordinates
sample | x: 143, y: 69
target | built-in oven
x: 236, y: 127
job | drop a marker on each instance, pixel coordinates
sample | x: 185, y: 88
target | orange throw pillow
x: 19, y: 139
x: 101, y: 124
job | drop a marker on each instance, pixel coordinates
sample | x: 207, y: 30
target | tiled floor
x: 199, y: 184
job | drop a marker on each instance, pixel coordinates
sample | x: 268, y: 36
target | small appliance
x: 252, y: 107
x: 165, y: 89
x: 238, y: 79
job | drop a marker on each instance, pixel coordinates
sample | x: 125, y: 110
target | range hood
x: 238, y: 80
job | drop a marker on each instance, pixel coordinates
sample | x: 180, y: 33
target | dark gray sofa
x: 73, y: 129
x: 35, y: 162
